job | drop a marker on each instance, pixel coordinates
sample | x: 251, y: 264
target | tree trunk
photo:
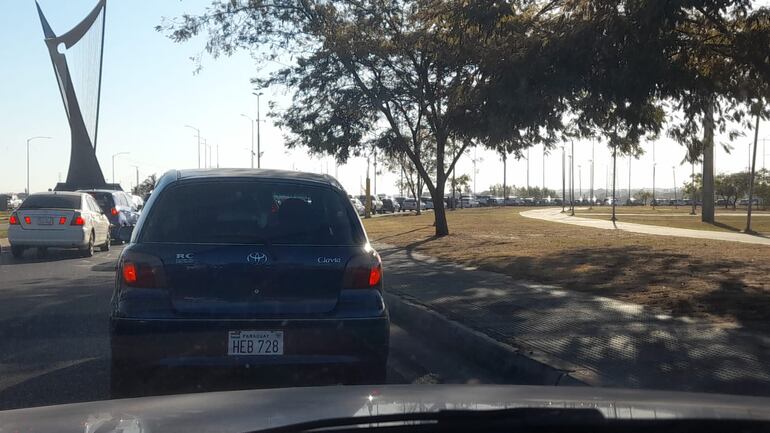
x: 439, y: 211
x: 707, y: 210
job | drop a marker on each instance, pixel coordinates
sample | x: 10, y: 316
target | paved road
x: 54, y: 336
x: 555, y: 215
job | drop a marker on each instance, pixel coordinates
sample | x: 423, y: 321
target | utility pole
x: 593, y: 158
x: 41, y: 138
x: 629, y: 179
x: 653, y: 174
x: 614, y: 178
x: 375, y: 171
x: 137, y: 174
x: 572, y: 179
x: 751, y: 183
x: 527, y: 171
x: 217, y: 155
x: 544, y: 170
x: 198, y: 135
x: 676, y: 201
x: 113, y: 164
x: 251, y: 122
x: 259, y: 120
x: 580, y: 183
x: 505, y: 177
x: 368, y: 201
x: 563, y: 192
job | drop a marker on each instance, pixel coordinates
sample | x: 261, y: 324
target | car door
x: 101, y: 223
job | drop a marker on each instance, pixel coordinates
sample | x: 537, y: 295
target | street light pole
x: 572, y: 179
x: 197, y: 134
x: 580, y: 183
x: 39, y: 137
x: 593, y: 157
x: 259, y: 151
x: 653, y: 174
x: 629, y: 179
x: 251, y: 122
x: 676, y: 201
x: 137, y: 174
x: 563, y: 192
x: 113, y: 164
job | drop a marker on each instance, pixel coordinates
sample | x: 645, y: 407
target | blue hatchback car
x: 248, y: 268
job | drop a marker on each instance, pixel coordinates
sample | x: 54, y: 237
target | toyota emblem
x: 257, y: 258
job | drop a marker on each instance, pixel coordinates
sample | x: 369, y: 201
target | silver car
x: 58, y: 220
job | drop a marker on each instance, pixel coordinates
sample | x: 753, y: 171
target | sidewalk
x: 555, y: 215
x: 602, y: 342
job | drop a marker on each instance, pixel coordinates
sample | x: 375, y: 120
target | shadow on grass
x: 402, y: 233
x: 571, y: 318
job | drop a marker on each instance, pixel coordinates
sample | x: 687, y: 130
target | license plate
x: 45, y: 221
x: 255, y: 343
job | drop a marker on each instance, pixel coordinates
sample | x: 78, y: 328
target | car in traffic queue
x: 119, y: 208
x: 58, y: 220
x: 243, y: 268
x: 409, y: 204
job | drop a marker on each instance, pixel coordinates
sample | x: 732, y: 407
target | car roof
x: 212, y: 173
x: 67, y: 193
x: 111, y: 191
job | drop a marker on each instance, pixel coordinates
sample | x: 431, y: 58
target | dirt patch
x: 723, y: 282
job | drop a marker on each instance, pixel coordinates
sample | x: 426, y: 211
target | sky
x: 150, y: 91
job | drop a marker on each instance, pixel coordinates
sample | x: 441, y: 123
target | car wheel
x: 106, y: 245
x: 42, y: 252
x: 88, y: 251
x: 17, y: 251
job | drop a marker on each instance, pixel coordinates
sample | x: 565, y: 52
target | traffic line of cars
x: 81, y: 220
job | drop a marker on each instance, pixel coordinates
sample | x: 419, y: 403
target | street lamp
x: 198, y: 134
x: 39, y: 137
x: 251, y: 121
x: 113, y: 163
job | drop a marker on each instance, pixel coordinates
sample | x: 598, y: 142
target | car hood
x: 238, y: 411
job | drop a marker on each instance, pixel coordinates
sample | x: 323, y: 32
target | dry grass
x: 760, y: 222
x: 720, y: 281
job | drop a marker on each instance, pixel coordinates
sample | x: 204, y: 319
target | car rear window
x: 251, y: 212
x: 104, y: 200
x: 51, y: 201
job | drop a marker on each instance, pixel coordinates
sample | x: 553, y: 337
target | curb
x: 487, y: 352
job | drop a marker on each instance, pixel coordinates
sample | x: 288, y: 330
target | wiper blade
x: 470, y: 419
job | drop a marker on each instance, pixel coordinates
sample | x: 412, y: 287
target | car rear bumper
x: 203, y: 343
x: 71, y: 237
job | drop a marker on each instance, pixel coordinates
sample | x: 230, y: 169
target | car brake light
x: 142, y: 270
x: 62, y: 220
x: 113, y: 211
x: 77, y: 220
x: 363, y: 272
x: 13, y: 220
x: 27, y: 220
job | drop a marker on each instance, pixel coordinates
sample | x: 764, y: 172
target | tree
x: 642, y: 196
x: 731, y: 187
x: 694, y: 188
x: 415, y: 76
x: 145, y: 188
x: 461, y: 183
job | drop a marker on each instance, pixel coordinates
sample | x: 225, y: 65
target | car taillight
x: 113, y: 211
x: 62, y: 220
x: 27, y: 220
x: 142, y: 270
x: 363, y: 272
x: 77, y: 220
x: 13, y: 220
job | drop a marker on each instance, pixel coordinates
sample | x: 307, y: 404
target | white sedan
x: 58, y: 220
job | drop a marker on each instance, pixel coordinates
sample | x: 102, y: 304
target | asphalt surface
x: 54, y: 345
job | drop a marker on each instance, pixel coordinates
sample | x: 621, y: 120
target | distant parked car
x: 409, y: 204
x: 390, y: 205
x: 58, y: 220
x: 513, y: 201
x: 427, y: 203
x: 469, y: 201
x: 483, y: 200
x: 119, y: 208
x: 376, y: 203
x: 358, y: 206
x: 496, y: 201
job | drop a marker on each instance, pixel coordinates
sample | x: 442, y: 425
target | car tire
x: 88, y: 251
x: 106, y: 246
x: 17, y: 251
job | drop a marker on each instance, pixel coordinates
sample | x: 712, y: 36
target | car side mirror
x: 124, y: 233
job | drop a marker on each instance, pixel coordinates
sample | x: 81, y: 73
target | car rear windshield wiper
x: 516, y: 420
